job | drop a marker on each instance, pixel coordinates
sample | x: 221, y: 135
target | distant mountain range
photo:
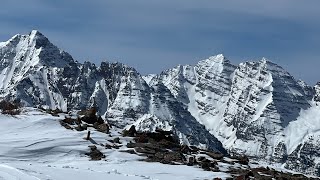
x: 254, y: 108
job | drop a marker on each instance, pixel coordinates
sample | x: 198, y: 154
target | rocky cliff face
x: 255, y: 108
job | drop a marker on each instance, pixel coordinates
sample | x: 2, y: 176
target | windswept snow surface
x: 10, y: 173
x: 34, y: 146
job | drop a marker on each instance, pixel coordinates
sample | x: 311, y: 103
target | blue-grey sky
x: 153, y: 35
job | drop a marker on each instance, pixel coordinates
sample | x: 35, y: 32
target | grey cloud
x: 154, y: 35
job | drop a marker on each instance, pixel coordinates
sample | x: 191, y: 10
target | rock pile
x: 164, y: 147
x: 86, y: 119
x: 95, y: 154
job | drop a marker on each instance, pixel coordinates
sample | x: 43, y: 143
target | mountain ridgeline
x: 254, y: 108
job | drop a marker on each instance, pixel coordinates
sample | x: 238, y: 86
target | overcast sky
x: 153, y: 35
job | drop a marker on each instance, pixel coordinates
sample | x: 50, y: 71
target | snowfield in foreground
x: 35, y: 146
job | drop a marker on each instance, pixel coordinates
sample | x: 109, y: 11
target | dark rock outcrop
x: 95, y: 154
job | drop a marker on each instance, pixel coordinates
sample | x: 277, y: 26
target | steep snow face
x: 302, y: 139
x: 248, y: 107
x: 171, y: 112
x: 128, y: 93
x: 264, y: 99
x: 203, y: 89
x: 251, y: 93
x: 17, y: 56
x: 27, y: 64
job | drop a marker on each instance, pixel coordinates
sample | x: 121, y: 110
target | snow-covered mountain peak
x: 268, y: 62
x: 35, y: 34
x: 15, y: 38
x: 31, y: 61
x: 265, y: 60
x: 37, y: 39
x: 117, y: 68
x: 33, y: 49
x: 265, y: 66
x: 214, y: 67
x: 218, y: 59
x: 270, y: 65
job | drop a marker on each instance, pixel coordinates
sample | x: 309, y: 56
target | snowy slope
x: 37, y: 147
x: 302, y: 139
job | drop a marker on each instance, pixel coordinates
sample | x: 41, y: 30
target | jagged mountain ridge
x: 37, y: 73
x: 253, y: 108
